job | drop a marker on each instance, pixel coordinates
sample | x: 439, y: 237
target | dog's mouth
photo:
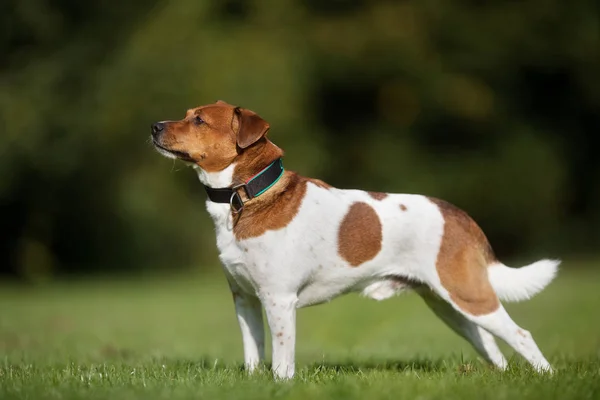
x: 182, y: 155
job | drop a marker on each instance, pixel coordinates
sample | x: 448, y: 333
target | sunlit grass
x: 178, y: 338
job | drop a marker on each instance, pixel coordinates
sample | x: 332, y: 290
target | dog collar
x: 254, y: 187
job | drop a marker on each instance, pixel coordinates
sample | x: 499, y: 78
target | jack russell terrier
x: 287, y: 242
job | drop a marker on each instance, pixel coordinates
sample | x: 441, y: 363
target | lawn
x: 177, y: 338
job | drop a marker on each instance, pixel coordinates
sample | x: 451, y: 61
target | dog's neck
x: 246, y: 165
x: 219, y: 179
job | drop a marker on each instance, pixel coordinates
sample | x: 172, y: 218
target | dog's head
x: 210, y: 136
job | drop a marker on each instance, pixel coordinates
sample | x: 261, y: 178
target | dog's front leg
x: 249, y: 314
x: 281, y: 316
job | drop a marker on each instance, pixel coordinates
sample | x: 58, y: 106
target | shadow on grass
x: 206, y: 363
x: 414, y: 364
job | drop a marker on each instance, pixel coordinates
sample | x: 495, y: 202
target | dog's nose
x: 157, y: 128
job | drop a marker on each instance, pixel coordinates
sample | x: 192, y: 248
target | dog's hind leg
x: 500, y: 324
x: 462, y: 266
x: 478, y: 303
x: 481, y: 340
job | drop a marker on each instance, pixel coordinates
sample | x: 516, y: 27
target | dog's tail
x: 517, y: 284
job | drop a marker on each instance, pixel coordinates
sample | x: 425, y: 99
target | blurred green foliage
x: 493, y: 106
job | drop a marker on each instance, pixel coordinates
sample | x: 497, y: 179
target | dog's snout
x: 157, y: 128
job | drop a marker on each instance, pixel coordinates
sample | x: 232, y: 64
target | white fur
x: 481, y: 339
x: 162, y: 151
x: 249, y: 313
x: 500, y: 324
x: 382, y: 289
x: 299, y: 265
x: 517, y: 284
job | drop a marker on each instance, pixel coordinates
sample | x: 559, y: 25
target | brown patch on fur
x: 403, y: 207
x: 360, y: 234
x: 319, y: 183
x: 251, y: 127
x: 272, y: 210
x: 254, y: 159
x: 378, y: 195
x: 462, y: 261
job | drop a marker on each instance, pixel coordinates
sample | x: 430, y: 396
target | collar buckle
x: 235, y: 201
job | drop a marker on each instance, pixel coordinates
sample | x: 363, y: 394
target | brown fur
x: 360, y: 234
x: 462, y: 261
x: 216, y: 150
x: 251, y: 127
x: 254, y: 159
x: 229, y: 135
x: 319, y: 183
x: 378, y: 195
x: 403, y: 207
x: 274, y: 209
x: 219, y: 140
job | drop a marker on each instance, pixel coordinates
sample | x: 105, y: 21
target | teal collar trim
x: 274, y: 166
x: 254, y: 187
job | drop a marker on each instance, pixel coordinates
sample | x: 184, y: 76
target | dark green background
x: 494, y: 106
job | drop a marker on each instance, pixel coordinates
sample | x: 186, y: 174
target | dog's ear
x: 251, y: 127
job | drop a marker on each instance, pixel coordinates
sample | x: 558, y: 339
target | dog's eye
x: 198, y: 120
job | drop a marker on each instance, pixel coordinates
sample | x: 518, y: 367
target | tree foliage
x: 492, y: 106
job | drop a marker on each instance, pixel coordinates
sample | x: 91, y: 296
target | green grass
x: 177, y: 338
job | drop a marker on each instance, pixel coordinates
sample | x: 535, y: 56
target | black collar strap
x: 254, y: 187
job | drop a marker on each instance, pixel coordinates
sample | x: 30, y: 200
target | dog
x: 287, y: 241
